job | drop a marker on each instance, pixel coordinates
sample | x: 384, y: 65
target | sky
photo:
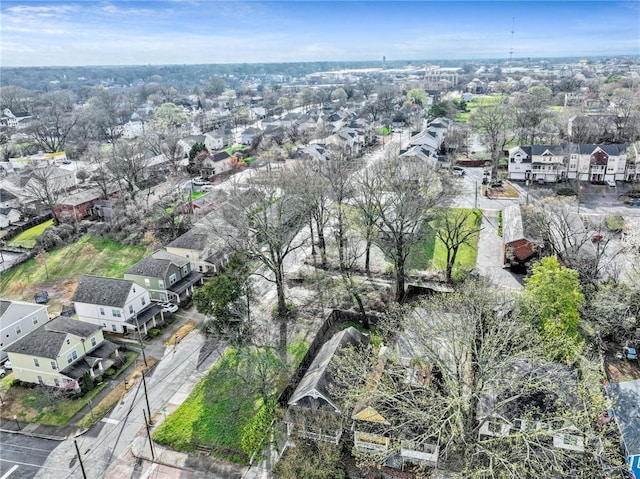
x: 119, y: 32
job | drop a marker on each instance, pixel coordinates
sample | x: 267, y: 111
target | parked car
x: 3, y: 373
x: 169, y: 307
x: 7, y: 365
x: 458, y: 171
x: 610, y: 182
x: 207, y: 187
x: 200, y: 182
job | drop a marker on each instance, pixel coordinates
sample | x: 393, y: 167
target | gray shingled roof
x: 156, y: 265
x: 195, y: 238
x: 317, y: 377
x: 518, y: 223
x: 47, y: 340
x: 103, y: 291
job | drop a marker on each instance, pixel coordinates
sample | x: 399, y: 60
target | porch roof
x: 182, y: 285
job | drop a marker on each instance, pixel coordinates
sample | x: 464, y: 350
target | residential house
x: 116, y: 305
x: 422, y: 153
x: 17, y: 319
x: 18, y: 120
x: 218, y: 139
x: 216, y: 163
x: 9, y: 216
x: 60, y: 352
x: 583, y: 162
x: 249, y: 135
x: 78, y: 206
x: 625, y: 397
x: 166, y: 276
x: 185, y: 144
x: 313, y: 412
x: 58, y: 180
x: 521, y: 236
x: 346, y: 140
x: 553, y: 389
x: 196, y: 246
x: 8, y: 199
x: 313, y: 152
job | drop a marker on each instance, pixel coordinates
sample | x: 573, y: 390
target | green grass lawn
x: 432, y: 254
x: 232, y: 149
x: 27, y: 239
x: 89, y: 255
x: 216, y: 412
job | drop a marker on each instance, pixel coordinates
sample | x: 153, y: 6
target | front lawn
x: 27, y: 239
x: 232, y: 149
x: 41, y: 405
x: 59, y: 269
x: 432, y: 253
x: 219, y: 408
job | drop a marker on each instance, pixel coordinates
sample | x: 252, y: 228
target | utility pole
x: 144, y: 356
x: 146, y: 423
x: 475, y: 204
x: 146, y: 398
x: 84, y: 474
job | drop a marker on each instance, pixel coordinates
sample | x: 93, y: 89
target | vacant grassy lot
x: 218, y: 409
x: 432, y: 254
x: 474, y: 104
x: 59, y: 270
x: 27, y: 239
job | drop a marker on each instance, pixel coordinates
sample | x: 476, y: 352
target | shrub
x: 614, y: 223
x: 635, y: 194
x: 566, y: 191
x: 110, y: 373
x: 154, y: 332
x: 500, y: 223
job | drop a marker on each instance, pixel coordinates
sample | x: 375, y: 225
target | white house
x: 17, y: 319
x: 117, y: 305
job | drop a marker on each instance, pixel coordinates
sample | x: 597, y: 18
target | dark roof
x: 103, y: 291
x: 7, y: 195
x: 47, y: 340
x: 195, y: 238
x: 156, y: 265
x: 220, y: 156
x: 317, y: 377
x: 626, y: 406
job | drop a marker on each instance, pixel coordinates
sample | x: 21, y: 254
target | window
x: 36, y: 363
x: 54, y: 366
x: 35, y: 320
x: 72, y: 356
x: 143, y: 301
x: 113, y: 328
x: 147, y: 283
x: 131, y: 309
x: 101, y: 311
x: 93, y: 341
x: 134, y: 289
x: 161, y: 283
x: 40, y: 381
x: 104, y: 325
x: 68, y: 341
x: 116, y: 313
x: 172, y: 278
x: 56, y: 382
x: 18, y: 329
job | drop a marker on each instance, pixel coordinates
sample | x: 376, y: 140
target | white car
x: 200, y: 182
x: 169, y: 307
x: 610, y: 182
x: 3, y: 373
x: 7, y: 365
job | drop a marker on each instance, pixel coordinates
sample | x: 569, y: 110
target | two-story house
x: 17, y: 319
x: 597, y: 163
x: 540, y: 163
x: 197, y: 246
x: 116, y: 305
x: 60, y: 352
x: 167, y: 277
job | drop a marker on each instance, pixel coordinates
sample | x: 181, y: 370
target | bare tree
x: 55, y: 122
x: 47, y: 186
x: 265, y: 225
x: 454, y: 228
x: 108, y: 111
x: 128, y: 164
x: 495, y: 122
x: 531, y: 114
x: 366, y: 187
x: 406, y: 192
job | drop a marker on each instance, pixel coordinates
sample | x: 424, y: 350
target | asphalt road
x: 21, y: 457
